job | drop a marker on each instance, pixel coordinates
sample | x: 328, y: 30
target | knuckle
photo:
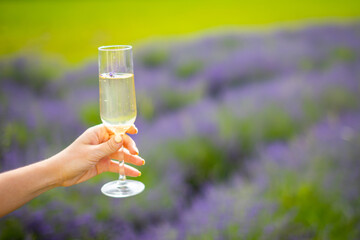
x: 111, y: 146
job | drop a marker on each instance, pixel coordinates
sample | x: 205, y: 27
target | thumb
x: 110, y: 147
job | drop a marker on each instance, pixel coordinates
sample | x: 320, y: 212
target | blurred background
x: 248, y: 116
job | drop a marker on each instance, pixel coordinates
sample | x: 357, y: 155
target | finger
x: 104, y: 131
x: 129, y: 158
x: 132, y: 130
x: 109, y: 147
x: 129, y: 171
x: 130, y: 145
x: 95, y: 135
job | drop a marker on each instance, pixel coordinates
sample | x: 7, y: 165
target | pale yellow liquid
x: 117, y: 101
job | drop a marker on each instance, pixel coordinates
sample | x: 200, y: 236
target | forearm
x: 19, y: 186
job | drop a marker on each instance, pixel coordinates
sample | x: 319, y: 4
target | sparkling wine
x: 117, y: 101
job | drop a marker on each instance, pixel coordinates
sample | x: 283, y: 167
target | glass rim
x: 115, y: 48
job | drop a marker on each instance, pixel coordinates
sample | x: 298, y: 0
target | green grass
x: 72, y: 30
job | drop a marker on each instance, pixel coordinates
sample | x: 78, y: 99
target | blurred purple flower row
x: 318, y: 168
x: 273, y: 111
x: 216, y: 64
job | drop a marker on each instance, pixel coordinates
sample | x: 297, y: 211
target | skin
x: 89, y: 155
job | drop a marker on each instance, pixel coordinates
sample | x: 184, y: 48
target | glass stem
x: 122, y: 176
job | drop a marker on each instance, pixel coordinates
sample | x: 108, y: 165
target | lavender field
x: 250, y: 135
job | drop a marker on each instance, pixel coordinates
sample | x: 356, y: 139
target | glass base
x: 121, y: 189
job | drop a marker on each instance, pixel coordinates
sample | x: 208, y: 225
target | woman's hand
x: 91, y: 154
x: 86, y: 157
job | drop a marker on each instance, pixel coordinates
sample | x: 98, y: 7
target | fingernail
x: 136, y: 129
x: 137, y: 151
x: 143, y: 162
x: 139, y: 174
x: 118, y: 138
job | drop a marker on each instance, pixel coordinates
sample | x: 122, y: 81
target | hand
x: 91, y: 154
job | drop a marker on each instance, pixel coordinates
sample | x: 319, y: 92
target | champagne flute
x: 118, y: 108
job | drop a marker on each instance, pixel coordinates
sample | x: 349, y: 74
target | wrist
x: 51, y: 172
